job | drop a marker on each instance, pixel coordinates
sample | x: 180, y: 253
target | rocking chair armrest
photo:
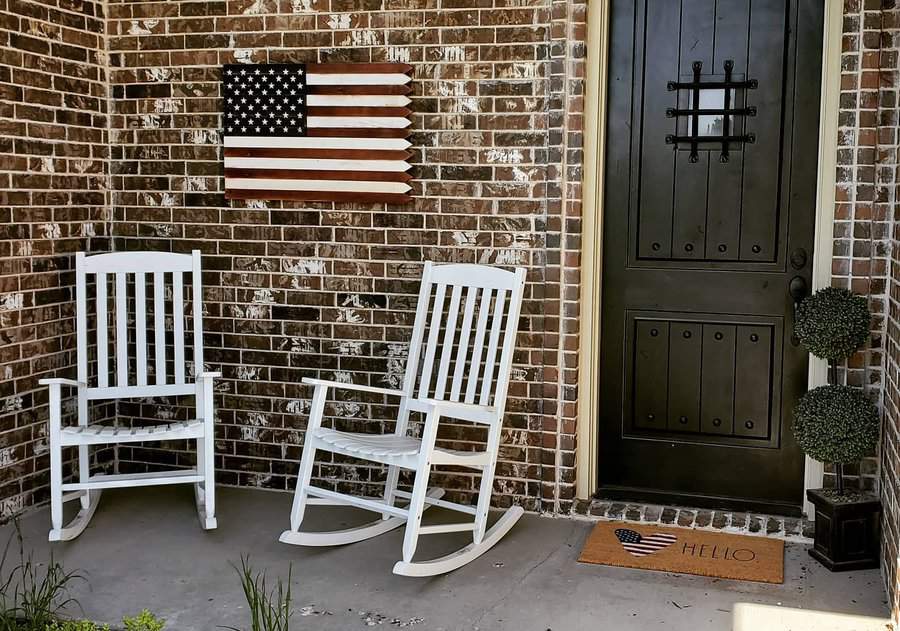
x: 62, y: 381
x: 324, y: 383
x: 455, y: 409
x: 209, y: 374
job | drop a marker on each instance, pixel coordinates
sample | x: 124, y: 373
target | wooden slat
x: 81, y: 317
x: 651, y: 373
x: 197, y: 306
x: 353, y: 186
x: 357, y: 110
x: 447, y: 347
x: 431, y: 344
x: 178, y: 324
x: 318, y: 154
x: 131, y: 262
x: 353, y: 141
x: 358, y: 100
x: 368, y: 68
x: 358, y: 89
x: 159, y: 325
x: 372, y: 132
x: 488, y: 378
x: 140, y: 326
x: 121, y: 329
x: 320, y: 196
x: 293, y: 174
x: 397, y: 166
x: 463, y: 350
x: 357, y: 79
x: 478, y: 347
x: 102, y: 337
x: 358, y: 122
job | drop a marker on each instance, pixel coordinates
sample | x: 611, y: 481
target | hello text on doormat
x: 687, y: 551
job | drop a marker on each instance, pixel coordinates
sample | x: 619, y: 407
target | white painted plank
x: 354, y: 122
x: 393, y: 166
x: 121, y: 329
x: 140, y: 326
x: 102, y: 338
x: 132, y: 262
x: 178, y: 324
x: 478, y: 346
x: 159, y: 326
x: 358, y: 100
x: 197, y: 306
x: 431, y: 345
x: 389, y: 144
x: 151, y: 390
x: 393, y: 78
x: 447, y: 346
x: 81, y: 317
x: 317, y: 185
x: 464, y: 336
x: 488, y: 378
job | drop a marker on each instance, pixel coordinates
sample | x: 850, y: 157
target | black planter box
x: 847, y: 533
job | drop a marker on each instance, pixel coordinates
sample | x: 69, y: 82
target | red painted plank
x: 297, y: 174
x: 335, y: 154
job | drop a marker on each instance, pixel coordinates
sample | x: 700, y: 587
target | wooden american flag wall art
x: 317, y: 132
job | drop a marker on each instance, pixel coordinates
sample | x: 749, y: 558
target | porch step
x: 776, y: 526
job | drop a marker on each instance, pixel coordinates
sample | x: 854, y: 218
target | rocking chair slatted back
x: 129, y: 275
x: 457, y: 360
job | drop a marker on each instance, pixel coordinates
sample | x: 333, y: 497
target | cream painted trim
x: 592, y: 248
x: 592, y: 235
x: 823, y: 250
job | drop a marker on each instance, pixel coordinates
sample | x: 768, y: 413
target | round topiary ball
x: 837, y: 424
x: 833, y: 323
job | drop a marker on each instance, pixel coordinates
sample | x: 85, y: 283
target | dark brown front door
x: 708, y: 221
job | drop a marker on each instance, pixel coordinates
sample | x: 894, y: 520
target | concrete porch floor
x: 145, y: 548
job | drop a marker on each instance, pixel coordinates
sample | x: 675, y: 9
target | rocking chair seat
x: 103, y: 434
x: 391, y: 449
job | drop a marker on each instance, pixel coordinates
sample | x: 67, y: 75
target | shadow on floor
x: 145, y: 548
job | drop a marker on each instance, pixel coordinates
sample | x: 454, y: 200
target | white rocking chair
x: 89, y: 487
x: 474, y: 365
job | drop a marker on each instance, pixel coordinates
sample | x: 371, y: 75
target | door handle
x: 798, y: 289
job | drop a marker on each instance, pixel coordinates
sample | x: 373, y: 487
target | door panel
x: 711, y: 140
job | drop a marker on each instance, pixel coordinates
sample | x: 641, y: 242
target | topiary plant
x: 833, y: 323
x: 834, y: 423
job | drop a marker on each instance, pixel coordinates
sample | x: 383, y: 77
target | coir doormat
x: 668, y: 549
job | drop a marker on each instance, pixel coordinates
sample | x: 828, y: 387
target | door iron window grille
x: 701, y: 94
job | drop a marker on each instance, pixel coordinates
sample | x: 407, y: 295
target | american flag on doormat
x: 317, y: 132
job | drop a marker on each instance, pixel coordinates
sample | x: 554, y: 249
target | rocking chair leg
x: 300, y: 495
x: 56, y: 495
x: 486, y: 488
x: 390, y: 488
x: 415, y: 508
x: 84, y: 463
x: 209, y: 481
x: 84, y: 473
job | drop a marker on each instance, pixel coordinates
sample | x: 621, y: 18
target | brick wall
x: 877, y: 52
x: 52, y: 203
x: 298, y: 289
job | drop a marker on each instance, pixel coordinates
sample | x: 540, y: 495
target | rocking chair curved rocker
x: 453, y: 372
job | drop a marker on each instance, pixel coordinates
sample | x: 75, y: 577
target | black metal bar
x: 695, y: 106
x: 726, y: 119
x: 735, y: 111
x: 750, y: 84
x: 672, y: 139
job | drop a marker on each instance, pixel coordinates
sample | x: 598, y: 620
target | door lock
x: 798, y: 259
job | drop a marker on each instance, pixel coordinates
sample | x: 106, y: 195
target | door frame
x: 596, y: 93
